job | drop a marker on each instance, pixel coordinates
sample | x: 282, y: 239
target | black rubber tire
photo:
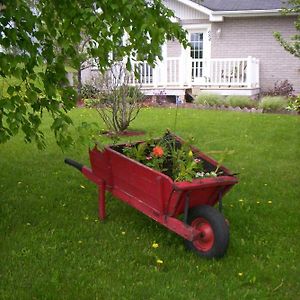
x: 218, y: 226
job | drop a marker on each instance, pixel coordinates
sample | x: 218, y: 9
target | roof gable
x: 240, y: 5
x: 186, y: 9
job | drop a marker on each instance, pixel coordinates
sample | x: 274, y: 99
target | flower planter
x: 156, y: 195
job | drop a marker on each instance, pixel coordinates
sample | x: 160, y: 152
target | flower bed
x: 171, y: 157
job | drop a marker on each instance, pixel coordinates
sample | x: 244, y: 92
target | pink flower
x: 148, y: 157
x: 197, y: 160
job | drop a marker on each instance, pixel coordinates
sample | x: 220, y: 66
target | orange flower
x: 158, y: 151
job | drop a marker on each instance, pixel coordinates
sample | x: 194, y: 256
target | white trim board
x: 218, y: 16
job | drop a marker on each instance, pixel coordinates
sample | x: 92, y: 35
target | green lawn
x: 53, y: 246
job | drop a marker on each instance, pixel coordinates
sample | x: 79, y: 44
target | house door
x: 197, y: 55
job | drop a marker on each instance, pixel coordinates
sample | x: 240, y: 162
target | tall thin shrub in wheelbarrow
x: 117, y: 103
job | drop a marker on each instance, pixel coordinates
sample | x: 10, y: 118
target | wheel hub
x: 205, y: 240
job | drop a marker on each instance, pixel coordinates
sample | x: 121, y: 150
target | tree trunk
x: 79, y: 84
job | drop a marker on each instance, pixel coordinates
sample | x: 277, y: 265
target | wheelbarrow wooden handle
x: 74, y: 164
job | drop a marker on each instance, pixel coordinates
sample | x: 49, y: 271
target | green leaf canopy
x: 40, y: 38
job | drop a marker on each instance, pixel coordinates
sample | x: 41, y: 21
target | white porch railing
x: 226, y: 72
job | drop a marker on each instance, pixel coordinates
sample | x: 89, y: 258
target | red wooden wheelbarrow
x: 203, y: 227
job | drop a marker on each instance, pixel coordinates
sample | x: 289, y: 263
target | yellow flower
x: 270, y: 202
x: 240, y: 274
x: 123, y: 232
x: 155, y: 245
x: 190, y: 153
x: 82, y: 186
x: 159, y: 261
x: 241, y: 200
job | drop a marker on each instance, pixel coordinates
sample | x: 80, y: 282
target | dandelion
x: 190, y: 153
x: 159, y: 261
x: 155, y: 245
x: 158, y: 151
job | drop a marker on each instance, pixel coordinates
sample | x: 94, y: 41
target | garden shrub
x: 240, y: 101
x: 294, y: 104
x: 117, y: 106
x: 281, y: 88
x: 89, y: 91
x: 273, y: 104
x: 210, y: 99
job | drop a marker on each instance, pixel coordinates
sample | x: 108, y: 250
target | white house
x: 232, y: 50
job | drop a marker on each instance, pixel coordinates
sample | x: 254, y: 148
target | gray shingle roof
x: 236, y: 5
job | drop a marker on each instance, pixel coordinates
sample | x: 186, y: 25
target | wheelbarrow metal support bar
x: 88, y: 173
x: 188, y: 232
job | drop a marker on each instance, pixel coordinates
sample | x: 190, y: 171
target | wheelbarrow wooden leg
x: 101, y: 200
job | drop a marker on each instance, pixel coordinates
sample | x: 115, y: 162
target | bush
x: 240, y: 101
x: 117, y: 106
x: 210, y: 99
x: 89, y: 91
x: 294, y: 104
x: 281, y: 88
x: 273, y: 104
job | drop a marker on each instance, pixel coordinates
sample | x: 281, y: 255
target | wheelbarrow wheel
x: 213, y: 239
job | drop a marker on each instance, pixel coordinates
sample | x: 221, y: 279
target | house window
x: 196, y: 45
x: 196, y: 41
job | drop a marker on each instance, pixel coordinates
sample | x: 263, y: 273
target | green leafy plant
x: 294, y: 104
x: 240, y: 101
x: 292, y: 46
x: 273, y: 104
x: 39, y: 39
x: 89, y: 91
x: 210, y: 99
x: 169, y: 156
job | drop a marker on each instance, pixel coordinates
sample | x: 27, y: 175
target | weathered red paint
x: 206, y: 238
x: 153, y: 193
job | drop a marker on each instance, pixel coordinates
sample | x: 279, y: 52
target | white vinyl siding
x: 183, y: 11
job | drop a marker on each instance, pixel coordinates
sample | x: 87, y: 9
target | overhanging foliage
x: 40, y: 38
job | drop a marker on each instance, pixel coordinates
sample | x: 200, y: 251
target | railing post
x: 257, y: 73
x: 188, y: 66
x: 164, y: 66
x: 183, y: 67
x: 249, y: 71
x: 155, y: 74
